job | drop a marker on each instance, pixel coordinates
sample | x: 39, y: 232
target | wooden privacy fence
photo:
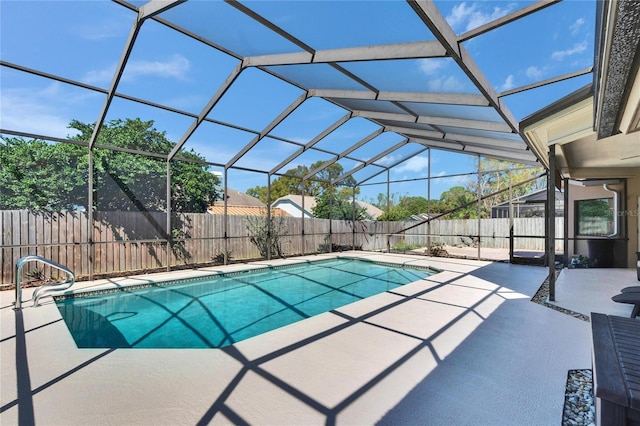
x: 135, y: 241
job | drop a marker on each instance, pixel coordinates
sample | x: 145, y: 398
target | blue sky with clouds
x: 83, y: 40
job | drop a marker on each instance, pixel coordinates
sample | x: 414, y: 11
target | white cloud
x: 99, y: 76
x: 454, y: 180
x: 37, y: 111
x: 414, y: 164
x: 432, y: 65
x: 465, y: 18
x: 175, y: 67
x: 388, y: 159
x: 534, y: 73
x: 445, y: 84
x: 576, y: 26
x: 561, y: 54
x: 508, y: 83
x: 460, y: 14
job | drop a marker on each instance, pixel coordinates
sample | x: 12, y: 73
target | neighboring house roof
x: 539, y: 196
x: 370, y: 210
x: 246, y: 211
x: 309, y: 201
x: 422, y: 216
x: 236, y: 198
x: 295, y: 201
x: 239, y: 204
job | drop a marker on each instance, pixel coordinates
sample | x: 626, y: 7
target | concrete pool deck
x: 465, y: 346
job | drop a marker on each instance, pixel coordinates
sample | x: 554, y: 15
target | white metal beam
x: 344, y: 153
x: 436, y: 121
x: 434, y: 98
x: 393, y: 116
x: 311, y: 143
x: 417, y: 132
x: 480, y: 140
x: 284, y: 114
x: 338, y: 93
x: 122, y: 62
x: 411, y: 50
x: 465, y: 124
x: 522, y: 156
x: 235, y: 73
x: 521, y: 13
x: 466, y: 140
x: 372, y: 160
x: 418, y: 97
x: 155, y: 7
x: 546, y: 82
x: 430, y: 15
x: 393, y: 165
x: 146, y: 11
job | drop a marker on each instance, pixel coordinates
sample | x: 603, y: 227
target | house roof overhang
x: 597, y: 128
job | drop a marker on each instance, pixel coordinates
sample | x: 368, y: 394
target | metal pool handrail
x: 70, y: 279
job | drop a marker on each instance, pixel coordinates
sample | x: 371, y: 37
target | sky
x: 83, y: 41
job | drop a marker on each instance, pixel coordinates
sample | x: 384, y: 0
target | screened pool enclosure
x: 130, y: 111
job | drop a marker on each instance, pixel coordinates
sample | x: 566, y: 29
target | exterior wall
x: 633, y: 217
x: 627, y: 218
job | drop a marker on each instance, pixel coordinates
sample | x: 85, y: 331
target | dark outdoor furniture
x: 631, y: 298
x: 616, y: 369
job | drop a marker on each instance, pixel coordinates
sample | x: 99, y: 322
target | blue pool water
x: 221, y: 310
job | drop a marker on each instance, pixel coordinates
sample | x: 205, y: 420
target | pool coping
x: 80, y: 293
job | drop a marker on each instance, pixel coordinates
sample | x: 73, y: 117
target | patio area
x: 465, y: 346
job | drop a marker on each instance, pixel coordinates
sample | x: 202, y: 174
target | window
x: 595, y: 217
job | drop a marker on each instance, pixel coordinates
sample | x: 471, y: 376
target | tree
x: 336, y: 206
x: 459, y: 196
x: 501, y: 174
x: 40, y: 176
x: 53, y: 177
x: 403, y: 207
x: 291, y: 182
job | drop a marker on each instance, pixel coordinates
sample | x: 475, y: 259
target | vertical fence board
x: 133, y: 241
x: 5, y: 265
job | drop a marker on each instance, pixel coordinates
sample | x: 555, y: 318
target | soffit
x: 571, y: 129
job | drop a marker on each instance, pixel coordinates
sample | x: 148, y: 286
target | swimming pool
x: 217, y: 311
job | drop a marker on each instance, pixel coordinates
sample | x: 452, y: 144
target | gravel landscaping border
x: 542, y: 295
x: 579, y: 408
